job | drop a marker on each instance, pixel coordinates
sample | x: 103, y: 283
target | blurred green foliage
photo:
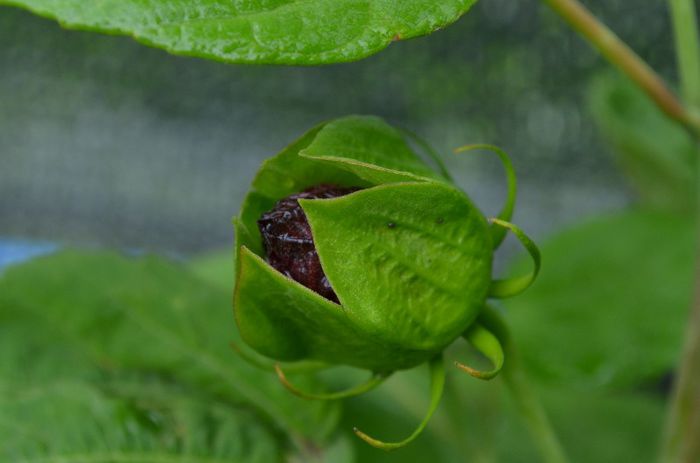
x: 613, y: 297
x: 128, y: 357
x: 147, y: 321
x: 657, y: 155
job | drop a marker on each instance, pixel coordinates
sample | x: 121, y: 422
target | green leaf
x: 593, y: 426
x: 611, y: 302
x: 144, y: 422
x: 58, y: 404
x: 657, y: 155
x: 32, y: 351
x: 215, y: 268
x: 150, y: 315
x: 410, y: 262
x: 259, y: 31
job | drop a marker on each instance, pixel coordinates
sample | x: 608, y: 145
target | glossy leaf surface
x: 258, y: 31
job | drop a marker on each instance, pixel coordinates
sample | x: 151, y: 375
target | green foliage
x: 259, y: 31
x: 76, y: 422
x: 57, y: 404
x: 611, y: 301
x: 477, y: 422
x: 657, y: 155
x: 594, y: 426
x: 57, y: 374
x: 215, y: 268
x: 119, y: 340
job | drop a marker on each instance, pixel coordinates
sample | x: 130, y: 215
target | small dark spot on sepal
x: 391, y: 225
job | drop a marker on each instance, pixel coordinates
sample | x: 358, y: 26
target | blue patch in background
x: 13, y: 251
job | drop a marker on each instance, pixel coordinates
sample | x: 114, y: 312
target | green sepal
x: 375, y: 380
x: 499, y: 233
x: 280, y: 176
x: 437, y: 386
x: 286, y: 321
x: 509, y: 287
x: 486, y: 342
x: 369, y: 148
x: 410, y: 262
x: 358, y: 151
x: 253, y: 358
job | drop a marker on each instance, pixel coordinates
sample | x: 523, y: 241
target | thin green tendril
x: 498, y: 234
x: 374, y: 381
x: 437, y: 385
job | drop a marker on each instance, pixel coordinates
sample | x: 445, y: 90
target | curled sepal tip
x: 437, y: 385
x: 489, y: 345
x: 498, y: 234
x: 374, y: 381
x: 511, y: 286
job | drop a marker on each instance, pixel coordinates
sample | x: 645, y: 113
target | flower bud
x: 351, y: 250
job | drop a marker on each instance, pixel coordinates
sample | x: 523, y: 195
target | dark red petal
x: 289, y: 246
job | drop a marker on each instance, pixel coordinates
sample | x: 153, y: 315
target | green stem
x: 525, y: 398
x: 681, y: 442
x: 625, y: 59
x: 685, y: 28
x: 681, y: 435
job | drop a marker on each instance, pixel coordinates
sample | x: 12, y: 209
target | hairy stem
x: 524, y: 396
x: 622, y: 57
x: 682, y: 433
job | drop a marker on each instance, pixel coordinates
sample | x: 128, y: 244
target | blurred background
x: 110, y: 142
x: 105, y: 143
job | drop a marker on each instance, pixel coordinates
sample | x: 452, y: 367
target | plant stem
x: 525, y: 398
x: 682, y: 432
x: 685, y: 27
x: 681, y: 435
x: 625, y: 59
